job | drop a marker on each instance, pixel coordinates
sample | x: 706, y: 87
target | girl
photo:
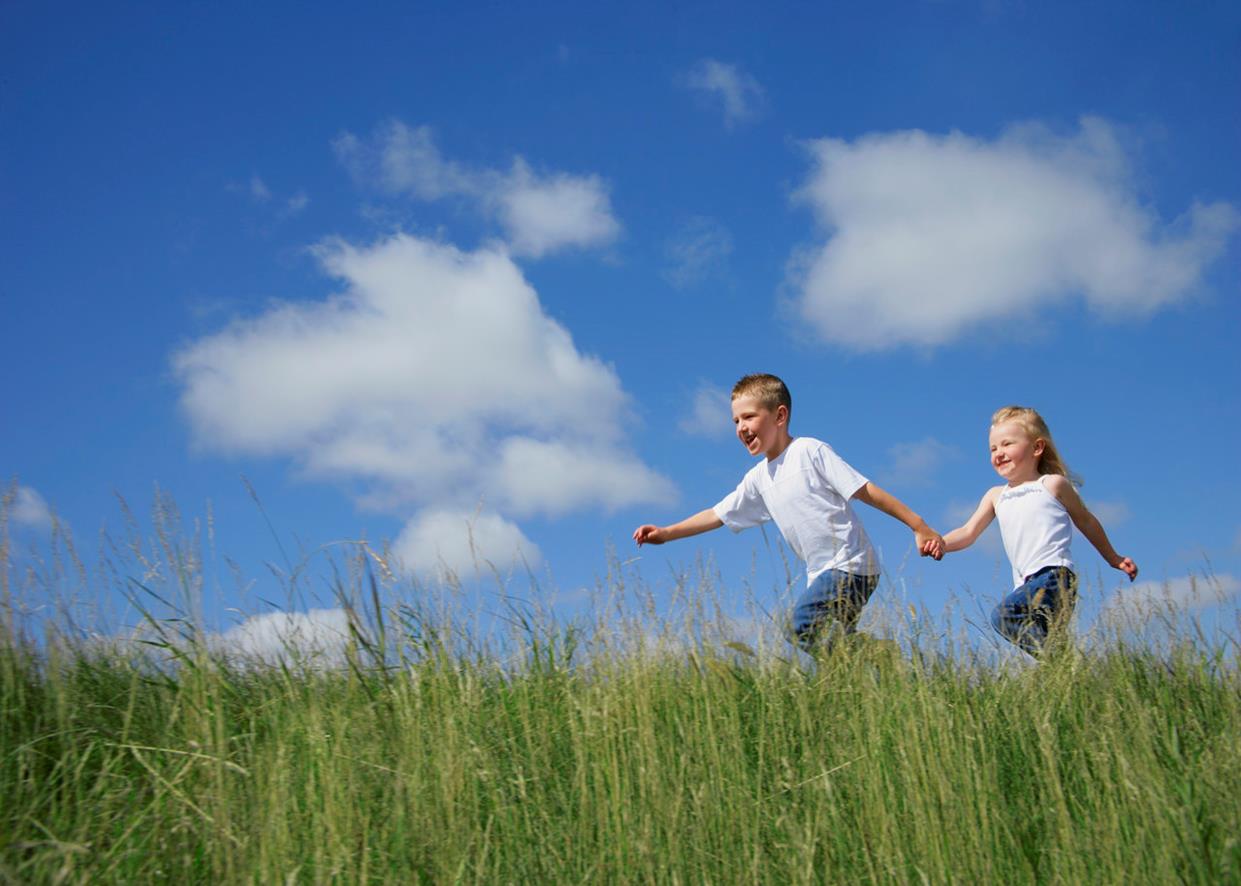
x: 1034, y: 506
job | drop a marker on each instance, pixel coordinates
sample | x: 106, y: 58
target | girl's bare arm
x: 966, y: 534
x: 1088, y: 524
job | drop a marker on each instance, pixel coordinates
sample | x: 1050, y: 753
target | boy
x: 805, y: 488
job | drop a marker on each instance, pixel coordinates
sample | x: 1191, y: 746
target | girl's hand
x: 648, y: 534
x: 1128, y: 567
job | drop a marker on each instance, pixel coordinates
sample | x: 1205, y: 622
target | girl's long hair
x: 1050, y: 462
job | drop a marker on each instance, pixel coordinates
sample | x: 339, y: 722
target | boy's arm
x: 703, y: 521
x: 1088, y: 524
x: 929, y: 542
x: 965, y: 535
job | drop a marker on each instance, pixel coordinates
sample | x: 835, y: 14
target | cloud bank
x: 932, y: 236
x: 1138, y: 603
x: 434, y: 379
x: 539, y: 213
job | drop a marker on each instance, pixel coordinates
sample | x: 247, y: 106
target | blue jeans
x: 1030, y: 613
x: 830, y: 608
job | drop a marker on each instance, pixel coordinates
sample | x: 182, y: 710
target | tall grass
x: 592, y: 753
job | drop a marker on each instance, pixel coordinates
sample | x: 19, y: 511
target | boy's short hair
x: 767, y: 389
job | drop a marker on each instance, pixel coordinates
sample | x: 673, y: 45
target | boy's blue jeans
x: 830, y: 608
x: 1030, y: 613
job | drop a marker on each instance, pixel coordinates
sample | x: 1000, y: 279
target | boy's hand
x: 1128, y: 567
x: 647, y: 534
x: 930, y: 543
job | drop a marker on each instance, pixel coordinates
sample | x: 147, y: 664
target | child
x: 806, y: 489
x: 1034, y: 507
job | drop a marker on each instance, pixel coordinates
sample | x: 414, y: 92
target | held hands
x: 930, y: 543
x: 1128, y: 567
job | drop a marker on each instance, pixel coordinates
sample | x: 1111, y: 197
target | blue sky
x: 403, y: 266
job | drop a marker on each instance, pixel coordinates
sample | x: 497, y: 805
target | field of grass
x: 576, y: 758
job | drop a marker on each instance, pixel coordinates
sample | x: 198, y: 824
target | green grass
x: 575, y: 758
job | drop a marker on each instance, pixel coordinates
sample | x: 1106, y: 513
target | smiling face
x: 1014, y: 453
x: 760, y: 429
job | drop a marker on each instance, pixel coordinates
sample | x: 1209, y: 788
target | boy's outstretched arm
x: 1088, y: 524
x: 703, y: 521
x: 929, y: 542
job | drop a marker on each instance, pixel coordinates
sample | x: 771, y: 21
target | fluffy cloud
x: 319, y: 637
x: 434, y: 378
x: 930, y: 236
x: 538, y: 213
x: 739, y: 95
x: 443, y: 544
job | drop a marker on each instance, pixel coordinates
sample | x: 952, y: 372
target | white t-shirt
x: 1035, y: 527
x: 806, y: 491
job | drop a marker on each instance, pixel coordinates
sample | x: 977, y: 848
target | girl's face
x: 1014, y: 454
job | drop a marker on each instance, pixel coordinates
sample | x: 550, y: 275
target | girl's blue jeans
x: 1034, y: 610
x: 830, y: 607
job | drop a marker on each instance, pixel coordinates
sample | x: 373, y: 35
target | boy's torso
x: 806, y: 492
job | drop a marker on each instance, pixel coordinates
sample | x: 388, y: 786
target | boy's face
x: 759, y: 429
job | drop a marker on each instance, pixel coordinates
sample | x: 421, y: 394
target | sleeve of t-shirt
x: 743, y: 507
x: 838, y: 473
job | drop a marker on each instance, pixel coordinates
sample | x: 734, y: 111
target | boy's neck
x: 781, y: 444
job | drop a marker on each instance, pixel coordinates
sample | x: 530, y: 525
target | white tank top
x: 1035, y: 527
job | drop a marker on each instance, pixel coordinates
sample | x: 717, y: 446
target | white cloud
x: 739, y: 94
x: 443, y: 544
x: 930, y: 236
x: 434, y: 378
x: 29, y: 509
x: 710, y: 414
x: 542, y: 215
x: 696, y: 252
x: 557, y: 476
x: 917, y: 463
x: 538, y: 213
x: 1139, y: 602
x: 319, y: 637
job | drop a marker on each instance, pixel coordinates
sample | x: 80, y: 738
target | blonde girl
x: 1035, y: 506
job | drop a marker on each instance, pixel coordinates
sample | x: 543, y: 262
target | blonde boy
x: 806, y: 489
